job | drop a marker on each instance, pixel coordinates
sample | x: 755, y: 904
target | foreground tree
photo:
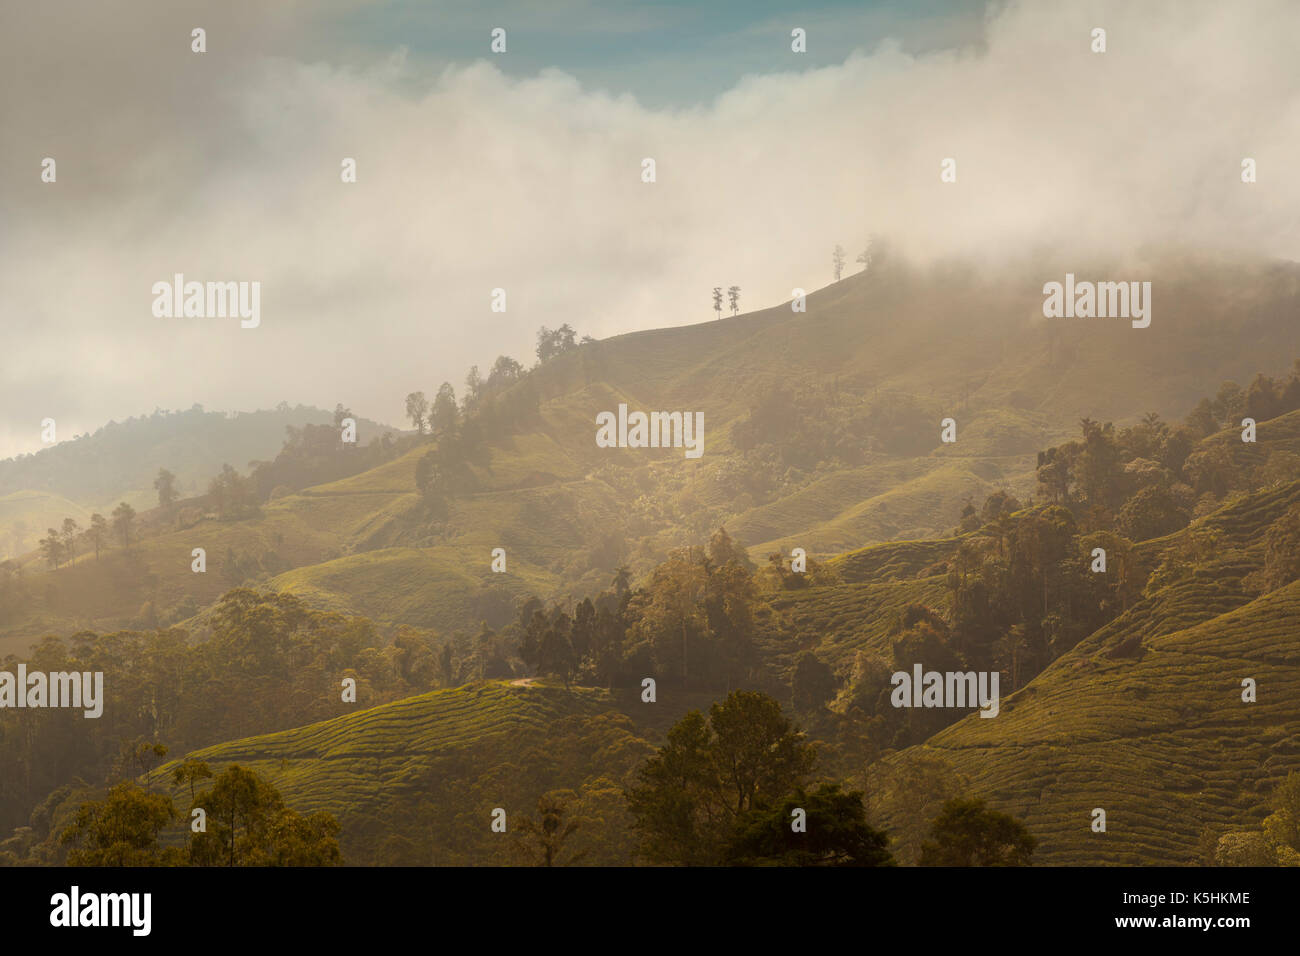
x: 690, y: 797
x: 832, y: 832
x: 540, y: 841
x: 967, y: 833
x: 122, y: 830
x: 249, y: 825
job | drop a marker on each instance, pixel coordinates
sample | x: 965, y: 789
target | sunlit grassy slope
x: 347, y: 763
x: 1145, y: 718
x: 435, y: 765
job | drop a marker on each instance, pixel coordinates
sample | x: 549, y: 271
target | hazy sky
x: 522, y: 171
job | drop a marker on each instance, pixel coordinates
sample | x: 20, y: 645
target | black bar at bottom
x: 355, y: 905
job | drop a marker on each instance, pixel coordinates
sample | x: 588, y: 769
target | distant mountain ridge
x: 119, y: 461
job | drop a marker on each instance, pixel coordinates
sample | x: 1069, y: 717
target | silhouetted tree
x: 417, y: 410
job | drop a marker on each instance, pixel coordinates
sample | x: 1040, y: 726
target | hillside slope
x: 1145, y: 718
x: 878, y: 359
x: 118, y: 462
x: 416, y: 781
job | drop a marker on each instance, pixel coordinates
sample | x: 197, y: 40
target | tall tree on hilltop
x: 733, y: 299
x: 717, y: 300
x: 473, y: 393
x: 505, y: 370
x: 837, y: 261
x: 444, y: 415
x: 417, y: 410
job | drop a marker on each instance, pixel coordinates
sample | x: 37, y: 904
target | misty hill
x: 821, y: 431
x: 118, y: 462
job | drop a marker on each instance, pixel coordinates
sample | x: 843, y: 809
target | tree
x: 97, y: 532
x: 52, y: 548
x: 444, y: 414
x: 237, y: 806
x: 233, y: 495
x: 812, y: 684
x: 717, y: 300
x: 249, y: 825
x: 446, y: 665
x: 417, y: 409
x: 553, y: 342
x: 295, y: 840
x: 673, y: 802
x: 1282, y: 826
x: 191, y: 771
x: 140, y: 756
x: 865, y: 258
x: 473, y: 394
x: 165, y: 485
x: 505, y: 370
x: 909, y: 793
x: 540, y: 841
x: 966, y: 833
x: 837, y: 260
x: 1151, y: 513
x: 733, y: 299
x: 121, y: 830
x: 123, y: 515
x: 836, y: 832
x: 70, y: 529
x: 689, y: 796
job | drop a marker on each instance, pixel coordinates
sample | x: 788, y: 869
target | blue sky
x: 666, y: 54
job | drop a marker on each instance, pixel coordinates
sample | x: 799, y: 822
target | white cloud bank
x: 226, y: 166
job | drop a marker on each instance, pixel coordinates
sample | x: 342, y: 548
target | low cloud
x: 225, y: 166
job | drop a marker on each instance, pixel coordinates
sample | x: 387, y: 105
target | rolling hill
x: 118, y: 462
x: 885, y: 356
x: 1145, y: 718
